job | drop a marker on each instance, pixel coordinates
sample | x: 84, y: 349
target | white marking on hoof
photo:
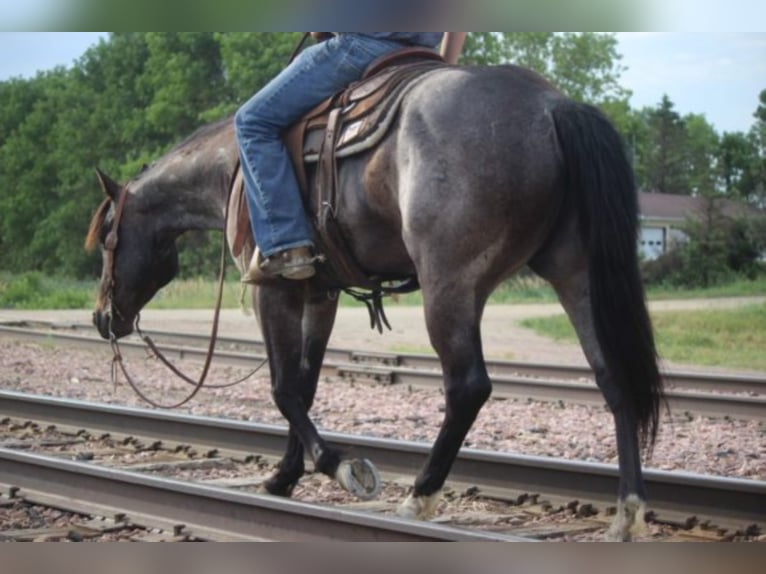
x: 420, y: 507
x: 359, y: 477
x: 629, y: 520
x: 262, y: 489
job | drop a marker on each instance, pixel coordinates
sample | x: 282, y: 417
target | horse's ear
x: 111, y: 188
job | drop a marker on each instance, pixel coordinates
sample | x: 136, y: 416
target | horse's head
x: 139, y: 256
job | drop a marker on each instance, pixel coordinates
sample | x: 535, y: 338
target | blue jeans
x: 276, y: 209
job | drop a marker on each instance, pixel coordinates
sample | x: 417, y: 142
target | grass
x: 531, y: 289
x: 733, y: 338
x: 35, y: 291
x: 38, y: 291
x: 521, y: 289
x: 738, y: 288
x: 198, y: 294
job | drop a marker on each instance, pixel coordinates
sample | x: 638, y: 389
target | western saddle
x: 350, y: 122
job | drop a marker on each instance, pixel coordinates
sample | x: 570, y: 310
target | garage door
x: 652, y: 242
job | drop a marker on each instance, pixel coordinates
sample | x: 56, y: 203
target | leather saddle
x: 348, y: 123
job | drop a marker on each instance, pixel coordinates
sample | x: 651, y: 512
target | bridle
x: 110, y: 249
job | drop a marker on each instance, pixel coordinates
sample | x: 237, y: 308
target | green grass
x: 734, y: 338
x: 36, y: 291
x: 198, y: 294
x: 532, y: 289
x: 738, y: 288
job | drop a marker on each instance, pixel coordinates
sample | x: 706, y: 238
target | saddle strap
x: 338, y: 255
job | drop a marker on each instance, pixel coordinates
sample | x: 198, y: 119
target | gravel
x: 698, y: 444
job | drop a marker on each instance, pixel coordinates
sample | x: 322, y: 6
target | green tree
x: 702, y: 144
x: 28, y: 173
x: 251, y: 60
x: 584, y: 65
x: 587, y: 67
x: 184, y: 75
x: 663, y: 160
x: 756, y: 191
x: 17, y: 99
x: 735, y: 159
x: 742, y: 160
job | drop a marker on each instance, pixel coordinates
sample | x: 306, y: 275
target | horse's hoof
x: 359, y: 477
x: 629, y: 520
x: 419, y: 507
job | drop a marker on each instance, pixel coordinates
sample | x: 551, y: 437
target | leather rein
x: 110, y: 248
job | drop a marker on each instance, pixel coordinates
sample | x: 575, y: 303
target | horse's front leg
x: 296, y: 325
x: 296, y: 334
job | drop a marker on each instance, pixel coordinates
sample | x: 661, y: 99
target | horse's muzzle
x: 109, y: 326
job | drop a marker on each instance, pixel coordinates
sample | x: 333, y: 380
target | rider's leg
x: 276, y: 209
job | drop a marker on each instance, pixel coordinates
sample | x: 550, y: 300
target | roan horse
x: 485, y: 170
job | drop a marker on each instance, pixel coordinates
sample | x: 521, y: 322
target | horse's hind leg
x: 453, y: 318
x: 573, y: 293
x: 296, y: 328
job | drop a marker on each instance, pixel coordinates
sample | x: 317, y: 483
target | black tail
x: 601, y: 178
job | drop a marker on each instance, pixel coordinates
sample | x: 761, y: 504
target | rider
x: 280, y: 225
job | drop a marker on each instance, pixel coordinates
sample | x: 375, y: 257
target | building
x: 663, y: 215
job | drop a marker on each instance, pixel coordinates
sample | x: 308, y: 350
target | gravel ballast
x: 690, y: 443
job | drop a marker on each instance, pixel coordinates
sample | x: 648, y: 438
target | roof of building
x: 670, y: 206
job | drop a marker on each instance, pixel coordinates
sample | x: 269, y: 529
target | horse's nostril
x: 101, y: 321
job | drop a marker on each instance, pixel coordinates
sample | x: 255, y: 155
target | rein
x: 110, y: 246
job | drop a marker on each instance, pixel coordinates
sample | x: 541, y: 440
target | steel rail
x: 711, y: 404
x: 725, y: 501
x: 677, y: 379
x: 234, y: 515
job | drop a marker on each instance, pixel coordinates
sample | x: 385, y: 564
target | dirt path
x: 503, y: 337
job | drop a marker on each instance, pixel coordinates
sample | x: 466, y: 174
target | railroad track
x: 200, y: 511
x: 537, y: 488
x: 737, y: 396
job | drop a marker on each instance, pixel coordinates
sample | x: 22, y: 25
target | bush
x: 35, y: 291
x: 719, y: 249
x: 661, y: 271
x: 20, y: 291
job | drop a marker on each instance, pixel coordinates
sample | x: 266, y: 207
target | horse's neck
x: 194, y: 199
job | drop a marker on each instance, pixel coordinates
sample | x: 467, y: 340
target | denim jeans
x: 276, y: 209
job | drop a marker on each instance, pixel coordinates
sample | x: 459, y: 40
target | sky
x: 718, y: 74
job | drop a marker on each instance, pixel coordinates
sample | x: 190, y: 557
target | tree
x: 743, y: 160
x: 735, y: 158
x: 663, y: 161
x: 17, y: 99
x: 250, y: 61
x: 757, y: 188
x: 185, y: 76
x: 584, y: 65
x: 702, y: 144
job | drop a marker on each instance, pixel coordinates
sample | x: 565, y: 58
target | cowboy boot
x: 295, y: 263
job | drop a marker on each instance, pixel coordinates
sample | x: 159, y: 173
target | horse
x: 484, y: 171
